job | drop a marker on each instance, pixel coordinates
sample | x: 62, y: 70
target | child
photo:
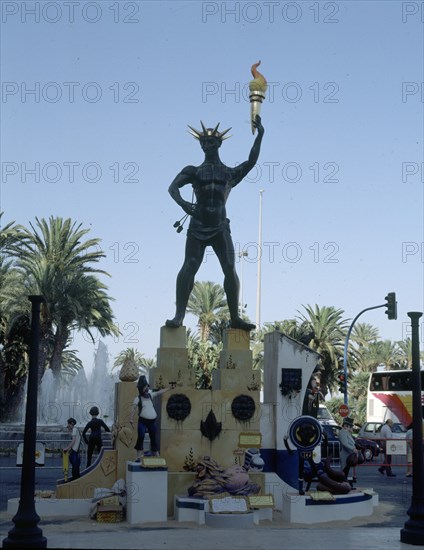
x: 147, y: 415
x: 73, y: 448
x: 95, y: 439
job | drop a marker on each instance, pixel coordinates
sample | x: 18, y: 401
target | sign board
x: 153, y: 462
x: 39, y: 454
x: 396, y: 446
x: 344, y: 410
x: 229, y: 505
x: 250, y: 439
x: 261, y: 501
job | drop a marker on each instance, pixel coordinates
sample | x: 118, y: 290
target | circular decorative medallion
x: 178, y: 407
x: 243, y: 408
x: 305, y: 433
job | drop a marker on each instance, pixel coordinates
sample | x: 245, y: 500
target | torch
x: 257, y: 89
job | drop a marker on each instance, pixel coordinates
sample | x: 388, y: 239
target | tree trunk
x: 60, y: 340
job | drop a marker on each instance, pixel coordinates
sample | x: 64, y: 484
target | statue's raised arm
x: 244, y: 168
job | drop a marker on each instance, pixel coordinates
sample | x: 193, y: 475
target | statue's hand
x: 189, y: 208
x: 257, y: 123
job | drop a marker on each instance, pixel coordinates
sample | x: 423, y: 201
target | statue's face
x: 210, y: 143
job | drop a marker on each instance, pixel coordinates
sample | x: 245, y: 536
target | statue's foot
x: 174, y: 323
x: 242, y: 325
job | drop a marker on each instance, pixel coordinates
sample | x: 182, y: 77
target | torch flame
x: 258, y: 84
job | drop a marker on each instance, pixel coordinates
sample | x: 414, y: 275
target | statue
x: 212, y: 183
x: 212, y: 479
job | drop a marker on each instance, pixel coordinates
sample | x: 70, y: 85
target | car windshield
x: 324, y: 414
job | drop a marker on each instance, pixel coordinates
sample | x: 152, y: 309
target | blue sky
x: 103, y: 133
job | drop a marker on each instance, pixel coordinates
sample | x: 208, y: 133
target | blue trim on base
x: 284, y: 464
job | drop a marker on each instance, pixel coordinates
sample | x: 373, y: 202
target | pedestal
x: 147, y: 493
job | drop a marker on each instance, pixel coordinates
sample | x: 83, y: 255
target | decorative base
x: 230, y: 521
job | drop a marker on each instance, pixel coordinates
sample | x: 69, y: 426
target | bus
x: 390, y: 396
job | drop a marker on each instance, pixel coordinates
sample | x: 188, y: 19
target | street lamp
x: 413, y: 531
x: 241, y: 255
x: 26, y: 534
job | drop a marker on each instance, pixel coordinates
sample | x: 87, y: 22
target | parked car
x: 371, y: 430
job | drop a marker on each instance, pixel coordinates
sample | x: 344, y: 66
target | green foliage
x: 52, y: 258
x: 207, y: 302
x: 203, y: 357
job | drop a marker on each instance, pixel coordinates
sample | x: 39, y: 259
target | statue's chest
x: 216, y: 175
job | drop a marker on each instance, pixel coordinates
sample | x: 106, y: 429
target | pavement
x: 380, y: 530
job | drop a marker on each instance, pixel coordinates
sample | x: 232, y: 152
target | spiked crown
x: 206, y: 132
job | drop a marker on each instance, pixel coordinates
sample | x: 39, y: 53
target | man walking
x: 386, y: 433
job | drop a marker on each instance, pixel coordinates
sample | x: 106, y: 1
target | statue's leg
x: 194, y: 253
x: 224, y: 249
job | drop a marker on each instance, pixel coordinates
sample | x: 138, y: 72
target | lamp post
x: 258, y: 288
x: 241, y: 255
x: 26, y: 534
x: 413, y: 531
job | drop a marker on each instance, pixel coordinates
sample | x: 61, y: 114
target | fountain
x: 76, y: 396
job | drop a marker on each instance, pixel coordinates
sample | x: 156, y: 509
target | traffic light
x: 391, y: 305
x: 342, y: 381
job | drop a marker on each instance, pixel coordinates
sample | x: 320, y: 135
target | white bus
x: 390, y: 396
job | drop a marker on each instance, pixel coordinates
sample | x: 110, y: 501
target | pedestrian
x: 146, y: 413
x: 94, y: 441
x: 386, y: 433
x: 73, y: 448
x: 348, y: 450
x: 408, y: 437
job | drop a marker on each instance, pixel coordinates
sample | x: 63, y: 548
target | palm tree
x: 364, y: 338
x: 327, y: 329
x: 405, y: 349
x: 364, y: 333
x: 14, y: 328
x: 207, y: 302
x: 57, y: 263
x: 389, y: 354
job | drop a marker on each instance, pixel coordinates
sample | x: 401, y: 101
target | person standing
x: 94, y: 441
x: 143, y: 406
x: 73, y: 448
x: 386, y: 433
x: 347, y: 446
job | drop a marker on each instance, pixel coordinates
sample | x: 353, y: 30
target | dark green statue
x: 212, y: 183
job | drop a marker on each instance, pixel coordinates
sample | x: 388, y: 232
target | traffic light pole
x: 347, y: 344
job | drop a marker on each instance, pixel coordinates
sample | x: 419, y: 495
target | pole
x: 413, y: 531
x: 258, y: 288
x: 347, y: 344
x: 26, y: 534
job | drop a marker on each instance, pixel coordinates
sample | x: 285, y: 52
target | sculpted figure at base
x: 212, y: 479
x: 212, y: 183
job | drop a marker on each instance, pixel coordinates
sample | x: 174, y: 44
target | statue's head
x: 209, y: 137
